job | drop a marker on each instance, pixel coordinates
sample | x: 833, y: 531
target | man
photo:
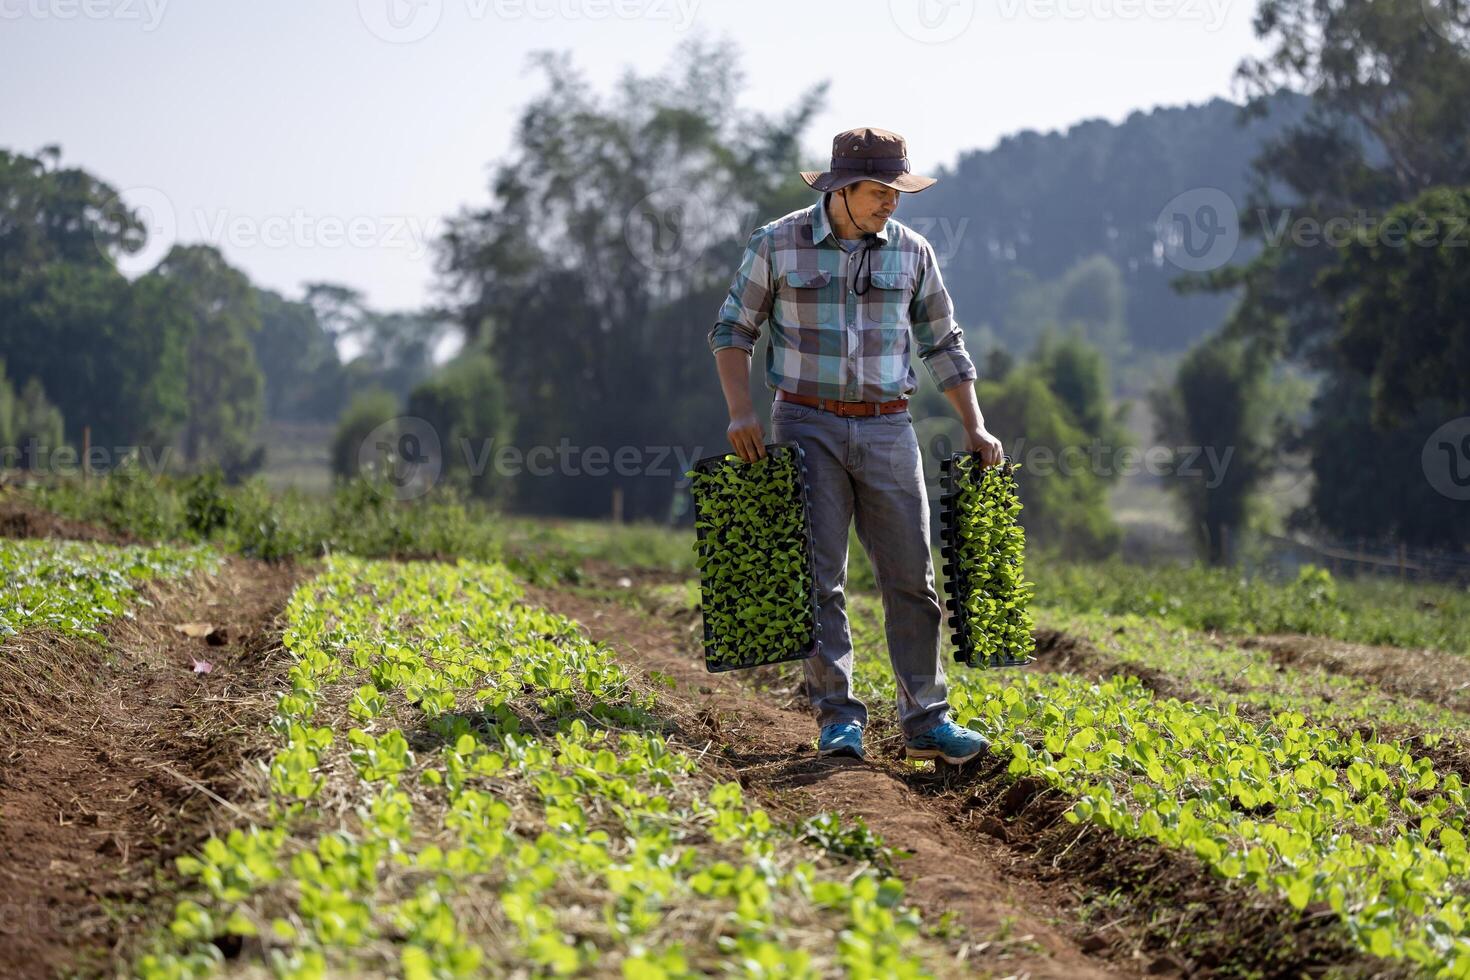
x: 844, y: 286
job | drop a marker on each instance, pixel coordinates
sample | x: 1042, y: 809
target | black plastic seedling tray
x: 956, y: 582
x: 806, y: 642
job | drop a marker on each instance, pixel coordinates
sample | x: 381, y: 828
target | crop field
x: 511, y: 762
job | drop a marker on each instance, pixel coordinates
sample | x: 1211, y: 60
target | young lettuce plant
x: 754, y: 557
x: 987, y: 553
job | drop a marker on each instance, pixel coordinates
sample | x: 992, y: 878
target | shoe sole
x: 847, y: 751
x: 954, y: 760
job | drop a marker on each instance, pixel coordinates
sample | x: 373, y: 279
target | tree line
x: 583, y: 288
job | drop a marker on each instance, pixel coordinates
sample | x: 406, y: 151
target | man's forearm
x: 734, y: 367
x: 977, y: 437
x: 962, y: 397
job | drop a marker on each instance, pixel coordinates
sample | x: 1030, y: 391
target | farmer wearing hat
x: 843, y: 287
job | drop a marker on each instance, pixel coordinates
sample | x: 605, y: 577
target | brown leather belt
x: 844, y: 408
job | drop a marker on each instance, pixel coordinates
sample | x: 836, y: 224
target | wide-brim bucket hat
x: 868, y: 154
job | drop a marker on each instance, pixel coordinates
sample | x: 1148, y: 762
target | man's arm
x: 745, y: 432
x: 942, y: 349
x: 745, y: 310
x: 977, y: 437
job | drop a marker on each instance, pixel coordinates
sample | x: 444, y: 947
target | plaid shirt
x: 827, y: 341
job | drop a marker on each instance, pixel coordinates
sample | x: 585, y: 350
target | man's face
x: 871, y: 203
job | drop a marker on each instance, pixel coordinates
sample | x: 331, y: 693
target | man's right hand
x: 747, y: 437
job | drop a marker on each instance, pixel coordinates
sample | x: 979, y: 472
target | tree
x: 298, y: 360
x: 1388, y: 84
x: 466, y: 404
x: 113, y: 352
x: 1392, y: 502
x: 50, y: 215
x: 110, y: 352
x: 1216, y: 404
x: 1403, y: 306
x: 1039, y: 205
x: 8, y: 443
x: 596, y: 270
x: 1065, y: 506
x: 1077, y: 374
x: 368, y: 411
x: 1389, y: 81
x: 223, y: 382
x: 393, y: 350
x: 38, y: 423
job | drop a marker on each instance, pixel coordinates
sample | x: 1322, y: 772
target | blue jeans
x: 869, y: 468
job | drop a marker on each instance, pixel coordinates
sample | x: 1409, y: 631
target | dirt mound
x: 118, y: 758
x: 19, y: 519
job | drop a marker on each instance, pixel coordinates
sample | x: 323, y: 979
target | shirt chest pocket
x: 888, y: 296
x: 806, y: 299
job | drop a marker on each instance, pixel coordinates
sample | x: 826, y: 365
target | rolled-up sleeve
x: 748, y: 304
x: 941, y: 341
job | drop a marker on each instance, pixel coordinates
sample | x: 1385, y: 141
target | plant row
x: 74, y: 587
x: 466, y: 785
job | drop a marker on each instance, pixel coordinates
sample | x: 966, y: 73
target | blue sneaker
x: 953, y: 743
x: 845, y: 738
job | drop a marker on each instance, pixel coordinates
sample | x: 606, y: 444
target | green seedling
x: 753, y: 555
x: 991, y: 594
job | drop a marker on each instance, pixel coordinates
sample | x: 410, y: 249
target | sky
x: 328, y: 140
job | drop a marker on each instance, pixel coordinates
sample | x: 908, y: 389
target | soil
x: 993, y: 851
x: 1430, y: 675
x: 20, y: 520
x: 772, y: 752
x: 119, y: 757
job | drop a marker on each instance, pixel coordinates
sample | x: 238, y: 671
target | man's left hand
x: 981, y: 441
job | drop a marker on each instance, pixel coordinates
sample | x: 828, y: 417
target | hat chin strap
x: 870, y: 242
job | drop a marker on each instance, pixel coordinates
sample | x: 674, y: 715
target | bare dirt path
x: 115, y: 759
x: 1012, y: 921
